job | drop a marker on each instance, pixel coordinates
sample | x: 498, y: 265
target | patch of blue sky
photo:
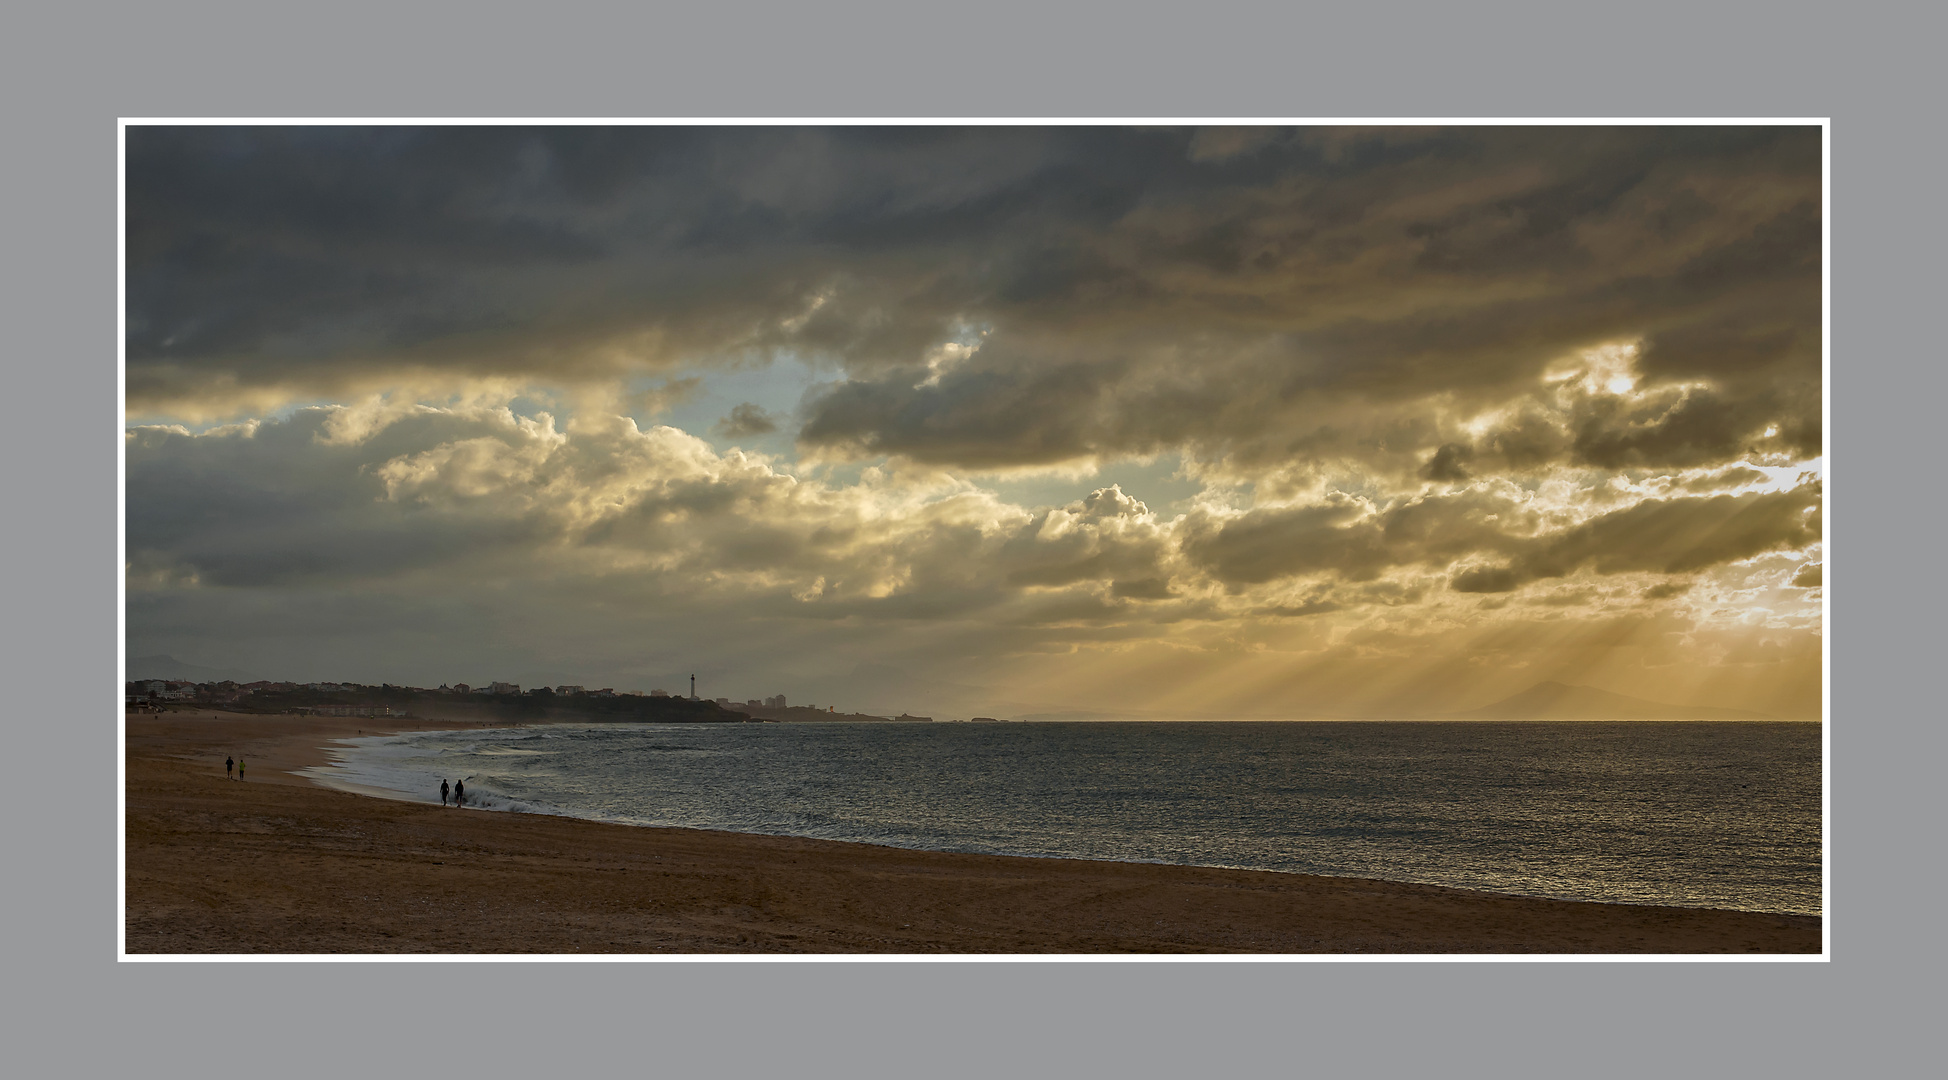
x: 777, y: 387
x: 1156, y: 482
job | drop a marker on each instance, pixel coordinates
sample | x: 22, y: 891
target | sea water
x: 1688, y: 814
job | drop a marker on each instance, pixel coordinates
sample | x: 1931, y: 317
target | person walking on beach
x: 459, y: 791
x: 240, y: 768
x: 442, y: 792
x: 228, y: 765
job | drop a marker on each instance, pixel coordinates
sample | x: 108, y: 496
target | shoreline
x: 216, y: 866
x: 319, y: 775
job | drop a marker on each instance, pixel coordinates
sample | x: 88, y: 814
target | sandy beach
x: 279, y: 864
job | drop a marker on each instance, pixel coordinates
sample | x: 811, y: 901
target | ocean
x: 1723, y: 815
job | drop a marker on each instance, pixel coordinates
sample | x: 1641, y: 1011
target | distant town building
x: 462, y: 688
x: 775, y: 702
x: 754, y: 703
x: 723, y: 701
x: 505, y: 688
x: 659, y: 693
x: 568, y: 689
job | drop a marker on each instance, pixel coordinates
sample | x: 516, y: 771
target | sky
x: 1046, y: 421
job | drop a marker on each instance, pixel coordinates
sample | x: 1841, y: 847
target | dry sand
x: 277, y: 864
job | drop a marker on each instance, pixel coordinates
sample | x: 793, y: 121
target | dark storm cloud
x: 1460, y: 267
x: 1264, y: 545
x: 314, y: 256
x: 1448, y: 463
x: 1659, y: 428
x: 279, y: 506
x: 744, y: 420
x: 1702, y: 427
x: 1666, y: 536
x: 1354, y: 541
x: 1127, y: 289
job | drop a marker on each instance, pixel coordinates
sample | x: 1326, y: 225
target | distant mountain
x: 168, y: 667
x: 1560, y: 701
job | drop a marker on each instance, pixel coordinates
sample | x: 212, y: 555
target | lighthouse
x: 693, y: 688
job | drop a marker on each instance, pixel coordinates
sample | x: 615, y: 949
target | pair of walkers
x: 228, y: 763
x: 459, y: 792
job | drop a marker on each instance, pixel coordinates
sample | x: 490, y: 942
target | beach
x: 279, y: 864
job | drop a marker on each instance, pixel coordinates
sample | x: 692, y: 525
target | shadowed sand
x: 277, y: 864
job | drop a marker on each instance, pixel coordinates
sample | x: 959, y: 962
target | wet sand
x: 279, y: 864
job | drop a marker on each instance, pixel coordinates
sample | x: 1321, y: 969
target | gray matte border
x: 72, y: 72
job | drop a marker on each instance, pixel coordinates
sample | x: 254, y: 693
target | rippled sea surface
x: 1690, y: 814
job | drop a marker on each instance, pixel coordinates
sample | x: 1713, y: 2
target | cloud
x: 482, y: 538
x: 1124, y: 288
x: 1667, y: 536
x: 1448, y: 463
x: 1220, y: 143
x: 1444, y: 406
x: 454, y: 494
x: 744, y: 421
x: 671, y: 393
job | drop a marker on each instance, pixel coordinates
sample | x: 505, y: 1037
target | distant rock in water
x: 1561, y: 701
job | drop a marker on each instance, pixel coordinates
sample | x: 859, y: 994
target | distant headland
x: 496, y: 702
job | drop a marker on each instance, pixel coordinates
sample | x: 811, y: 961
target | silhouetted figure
x: 240, y: 768
x: 443, y: 793
x: 228, y: 767
x: 459, y: 792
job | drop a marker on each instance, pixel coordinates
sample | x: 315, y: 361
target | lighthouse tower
x: 693, y: 688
